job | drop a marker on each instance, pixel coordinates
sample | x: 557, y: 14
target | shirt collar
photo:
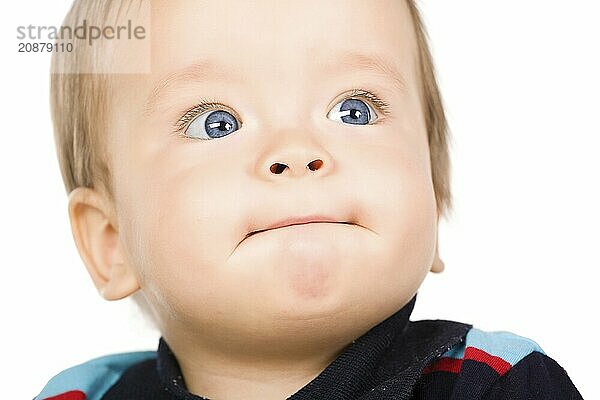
x: 360, y: 367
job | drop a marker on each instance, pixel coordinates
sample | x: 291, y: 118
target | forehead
x: 264, y: 49
x: 275, y: 37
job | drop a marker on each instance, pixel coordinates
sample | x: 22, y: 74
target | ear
x: 437, y: 265
x: 97, y: 238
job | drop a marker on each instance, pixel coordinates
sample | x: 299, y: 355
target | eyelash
x: 212, y: 104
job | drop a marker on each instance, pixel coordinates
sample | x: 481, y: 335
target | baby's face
x: 275, y: 147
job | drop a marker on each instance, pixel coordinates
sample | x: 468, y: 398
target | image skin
x: 259, y: 316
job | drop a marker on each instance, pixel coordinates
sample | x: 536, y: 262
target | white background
x: 520, y: 84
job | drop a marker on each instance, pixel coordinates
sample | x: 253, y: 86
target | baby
x: 269, y: 191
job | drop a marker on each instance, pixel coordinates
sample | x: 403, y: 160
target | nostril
x: 277, y: 168
x: 316, y: 164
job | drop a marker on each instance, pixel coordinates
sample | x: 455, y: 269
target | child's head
x: 264, y: 92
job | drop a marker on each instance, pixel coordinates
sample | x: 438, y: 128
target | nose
x: 295, y: 153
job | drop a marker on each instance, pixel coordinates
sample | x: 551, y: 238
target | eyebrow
x: 207, y: 70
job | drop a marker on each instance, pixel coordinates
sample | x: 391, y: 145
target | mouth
x: 300, y: 221
x: 297, y: 223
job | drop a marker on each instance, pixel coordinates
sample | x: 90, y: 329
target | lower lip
x: 312, y: 236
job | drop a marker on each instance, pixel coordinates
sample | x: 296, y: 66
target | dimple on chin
x: 303, y: 264
x: 308, y: 272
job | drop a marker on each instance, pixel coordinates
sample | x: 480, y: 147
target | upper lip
x: 299, y: 220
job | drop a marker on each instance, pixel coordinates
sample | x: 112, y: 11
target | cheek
x: 402, y: 209
x: 181, y: 230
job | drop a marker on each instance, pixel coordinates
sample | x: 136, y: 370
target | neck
x: 220, y: 375
x: 299, y: 359
x: 269, y: 367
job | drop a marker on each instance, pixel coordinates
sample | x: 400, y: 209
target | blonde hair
x: 79, y: 114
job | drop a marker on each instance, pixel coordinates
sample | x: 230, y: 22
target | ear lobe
x: 97, y: 240
x: 122, y: 283
x: 437, y: 266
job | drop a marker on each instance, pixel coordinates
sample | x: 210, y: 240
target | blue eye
x: 353, y: 111
x: 214, y: 125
